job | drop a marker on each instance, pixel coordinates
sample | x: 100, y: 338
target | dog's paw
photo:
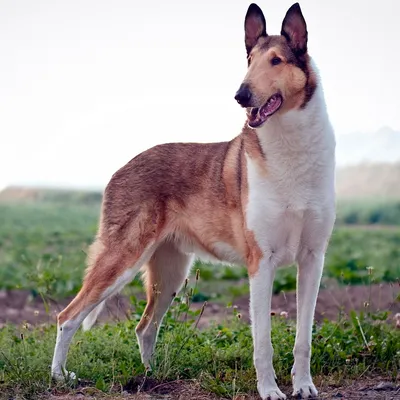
x: 146, y: 361
x: 305, y: 391
x: 303, y: 387
x: 147, y: 367
x: 63, y: 376
x: 272, y: 394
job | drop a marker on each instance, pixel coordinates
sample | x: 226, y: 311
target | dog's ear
x: 254, y: 26
x: 294, y: 29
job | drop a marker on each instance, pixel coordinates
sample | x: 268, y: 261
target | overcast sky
x: 85, y: 85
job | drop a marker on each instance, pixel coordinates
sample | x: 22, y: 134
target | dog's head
x: 279, y: 77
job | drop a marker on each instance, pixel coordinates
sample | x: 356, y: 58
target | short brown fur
x: 190, y: 192
x: 177, y: 199
x: 293, y: 78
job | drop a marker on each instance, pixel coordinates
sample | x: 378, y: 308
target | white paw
x: 63, y: 375
x: 272, y: 394
x: 146, y: 361
x: 147, y: 366
x: 305, y: 391
x: 303, y: 387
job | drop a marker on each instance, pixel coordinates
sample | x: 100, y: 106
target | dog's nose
x: 243, y: 95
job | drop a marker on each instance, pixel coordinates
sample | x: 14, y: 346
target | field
x: 43, y: 240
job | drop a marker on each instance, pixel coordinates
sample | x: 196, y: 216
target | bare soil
x: 18, y: 306
x: 377, y: 388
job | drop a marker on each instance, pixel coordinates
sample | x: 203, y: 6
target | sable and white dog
x: 264, y: 199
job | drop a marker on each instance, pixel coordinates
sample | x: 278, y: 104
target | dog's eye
x: 276, y: 61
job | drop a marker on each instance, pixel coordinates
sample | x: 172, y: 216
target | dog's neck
x: 300, y: 141
x: 303, y: 130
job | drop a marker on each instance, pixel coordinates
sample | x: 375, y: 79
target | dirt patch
x: 367, y: 388
x: 14, y: 193
x: 332, y: 302
x: 20, y: 306
x: 143, y: 389
x: 17, y: 306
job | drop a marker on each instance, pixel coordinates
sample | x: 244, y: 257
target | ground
x: 379, y: 388
x: 43, y: 247
x: 18, y: 306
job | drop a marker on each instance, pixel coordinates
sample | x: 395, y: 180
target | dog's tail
x: 90, y: 320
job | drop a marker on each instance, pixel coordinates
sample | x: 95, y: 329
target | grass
x: 43, y: 249
x: 377, y: 211
x: 219, y: 358
x: 353, y: 251
x: 42, y: 246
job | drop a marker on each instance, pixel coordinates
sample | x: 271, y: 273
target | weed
x: 219, y: 357
x: 43, y: 249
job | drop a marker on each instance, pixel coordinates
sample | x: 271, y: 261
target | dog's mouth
x: 258, y: 115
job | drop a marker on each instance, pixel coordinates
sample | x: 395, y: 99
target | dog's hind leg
x: 110, y: 269
x: 91, y: 319
x: 164, y: 277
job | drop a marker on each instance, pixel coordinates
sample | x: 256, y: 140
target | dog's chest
x: 284, y: 210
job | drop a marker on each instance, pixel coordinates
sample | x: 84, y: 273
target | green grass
x: 369, y: 211
x: 42, y: 245
x: 43, y: 248
x: 219, y: 358
x: 353, y: 250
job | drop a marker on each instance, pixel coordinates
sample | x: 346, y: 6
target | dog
x: 264, y: 199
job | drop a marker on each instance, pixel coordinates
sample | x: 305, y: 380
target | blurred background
x: 87, y: 85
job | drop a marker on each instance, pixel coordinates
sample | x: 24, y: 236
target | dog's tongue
x: 270, y: 107
x: 258, y: 116
x: 254, y: 118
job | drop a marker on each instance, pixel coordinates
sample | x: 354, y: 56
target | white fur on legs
x: 90, y: 320
x: 65, y: 332
x: 67, y: 329
x: 308, y: 280
x: 260, y: 310
x: 166, y: 272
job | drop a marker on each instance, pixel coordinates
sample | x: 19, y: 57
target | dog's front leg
x: 308, y: 280
x: 261, y: 281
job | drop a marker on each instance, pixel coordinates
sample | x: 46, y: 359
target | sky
x: 85, y: 85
